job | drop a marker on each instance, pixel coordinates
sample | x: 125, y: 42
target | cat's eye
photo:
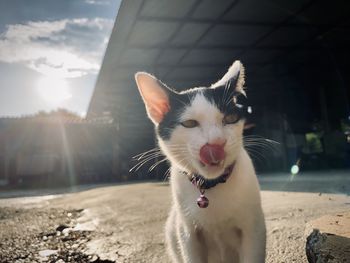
x: 190, y: 123
x: 231, y: 118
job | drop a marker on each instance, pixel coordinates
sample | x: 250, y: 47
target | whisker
x: 156, y: 164
x: 149, y: 155
x: 156, y: 149
x: 260, y: 137
x: 257, y: 156
x: 262, y: 144
x: 137, y: 166
x: 167, y: 174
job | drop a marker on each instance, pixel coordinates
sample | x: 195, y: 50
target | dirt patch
x: 43, y: 235
x: 125, y: 223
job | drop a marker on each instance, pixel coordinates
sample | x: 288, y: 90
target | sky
x: 51, y: 52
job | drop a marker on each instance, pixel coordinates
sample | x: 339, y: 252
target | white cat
x: 216, y: 214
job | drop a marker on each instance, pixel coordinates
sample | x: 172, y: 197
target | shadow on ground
x: 6, y: 192
x: 335, y: 182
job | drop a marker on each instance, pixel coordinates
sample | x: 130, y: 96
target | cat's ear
x: 234, y: 77
x: 155, y: 95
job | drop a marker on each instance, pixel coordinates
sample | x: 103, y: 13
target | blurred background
x: 70, y: 112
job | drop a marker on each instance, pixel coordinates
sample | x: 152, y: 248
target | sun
x: 53, y: 90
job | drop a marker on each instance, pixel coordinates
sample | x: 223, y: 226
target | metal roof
x: 188, y: 43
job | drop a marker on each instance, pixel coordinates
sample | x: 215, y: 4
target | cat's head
x: 200, y: 129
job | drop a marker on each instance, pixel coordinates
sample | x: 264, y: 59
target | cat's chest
x: 222, y: 212
x: 223, y: 243
x: 225, y: 204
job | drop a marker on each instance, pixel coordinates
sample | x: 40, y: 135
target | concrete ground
x: 127, y: 220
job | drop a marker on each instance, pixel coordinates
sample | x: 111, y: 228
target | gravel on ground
x: 124, y: 223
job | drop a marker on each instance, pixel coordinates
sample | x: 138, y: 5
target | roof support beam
x: 236, y: 22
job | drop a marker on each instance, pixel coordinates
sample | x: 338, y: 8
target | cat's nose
x: 212, y: 154
x: 217, y: 141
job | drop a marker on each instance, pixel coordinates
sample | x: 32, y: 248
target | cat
x: 216, y: 215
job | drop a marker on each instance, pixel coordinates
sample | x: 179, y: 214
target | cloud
x: 98, y: 2
x: 62, y: 48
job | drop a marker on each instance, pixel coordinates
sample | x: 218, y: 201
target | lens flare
x: 294, y: 169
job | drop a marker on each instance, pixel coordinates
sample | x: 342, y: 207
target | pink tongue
x: 211, y: 153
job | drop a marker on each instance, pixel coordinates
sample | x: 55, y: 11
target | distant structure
x: 296, y: 55
x: 49, y: 151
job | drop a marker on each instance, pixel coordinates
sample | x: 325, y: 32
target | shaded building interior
x: 296, y: 55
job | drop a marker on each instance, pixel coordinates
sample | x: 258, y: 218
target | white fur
x: 232, y: 228
x: 236, y: 68
x: 189, y: 141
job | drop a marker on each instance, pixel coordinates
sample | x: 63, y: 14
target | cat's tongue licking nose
x: 212, y: 154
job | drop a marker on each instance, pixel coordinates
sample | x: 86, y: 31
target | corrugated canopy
x: 285, y: 45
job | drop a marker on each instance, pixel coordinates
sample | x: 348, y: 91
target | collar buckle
x: 202, y: 184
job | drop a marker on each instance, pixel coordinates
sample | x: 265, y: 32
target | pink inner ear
x: 154, y: 95
x: 158, y: 109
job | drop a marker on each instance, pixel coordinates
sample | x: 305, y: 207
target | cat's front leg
x: 192, y: 245
x: 171, y: 237
x: 254, y: 243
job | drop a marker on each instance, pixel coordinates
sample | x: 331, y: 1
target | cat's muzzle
x: 212, y: 154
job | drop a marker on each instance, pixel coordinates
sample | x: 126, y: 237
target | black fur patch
x: 178, y: 103
x: 221, y: 96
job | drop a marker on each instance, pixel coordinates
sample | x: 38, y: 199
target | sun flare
x: 53, y: 90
